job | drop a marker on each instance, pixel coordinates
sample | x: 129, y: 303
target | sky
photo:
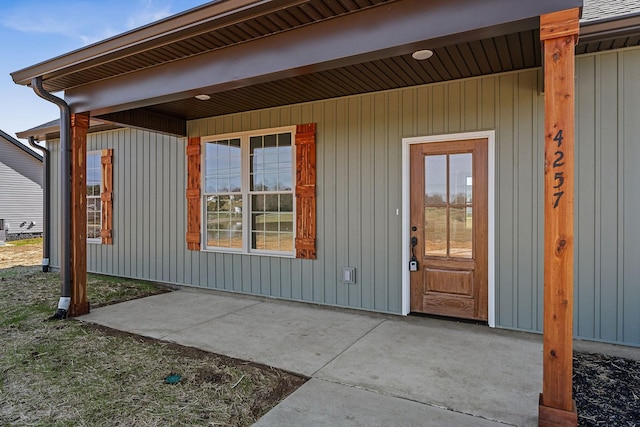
x: 33, y: 31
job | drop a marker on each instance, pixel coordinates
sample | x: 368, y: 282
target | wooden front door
x: 449, y: 228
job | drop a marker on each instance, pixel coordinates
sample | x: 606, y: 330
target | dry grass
x: 21, y: 252
x: 68, y: 373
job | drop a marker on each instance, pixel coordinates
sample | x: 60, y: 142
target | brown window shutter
x: 193, y: 194
x: 306, y: 191
x: 106, y: 195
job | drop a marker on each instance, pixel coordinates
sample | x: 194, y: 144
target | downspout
x: 65, y: 212
x: 46, y: 219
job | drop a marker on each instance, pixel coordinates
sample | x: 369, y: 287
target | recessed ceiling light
x: 203, y: 97
x: 421, y: 55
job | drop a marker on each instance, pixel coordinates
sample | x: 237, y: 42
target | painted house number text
x: 558, y: 175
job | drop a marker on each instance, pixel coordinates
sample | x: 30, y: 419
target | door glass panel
x: 448, y: 228
x: 460, y: 180
x: 461, y: 236
x: 435, y: 179
x: 435, y: 231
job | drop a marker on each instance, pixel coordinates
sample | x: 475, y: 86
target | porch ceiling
x: 503, y: 53
x: 510, y: 52
x: 354, y: 46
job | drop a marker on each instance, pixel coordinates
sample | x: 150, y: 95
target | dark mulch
x: 606, y: 390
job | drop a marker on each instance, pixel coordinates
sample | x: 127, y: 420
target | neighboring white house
x: 21, y: 183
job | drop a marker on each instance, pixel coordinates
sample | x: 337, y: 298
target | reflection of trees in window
x: 458, y: 199
x: 269, y: 192
x: 435, y: 199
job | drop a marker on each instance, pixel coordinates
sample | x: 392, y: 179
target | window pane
x: 94, y: 177
x: 235, y: 183
x: 284, y: 180
x: 224, y: 221
x: 93, y: 232
x: 272, y: 222
x: 270, y: 141
x: 435, y: 231
x: 461, y: 224
x: 284, y: 139
x: 211, y: 184
x: 258, y: 241
x: 271, y: 164
x: 266, y: 241
x: 94, y: 216
x: 286, y: 242
x: 270, y: 181
x: 271, y: 202
x: 435, y: 179
x: 460, y: 178
x: 223, y: 166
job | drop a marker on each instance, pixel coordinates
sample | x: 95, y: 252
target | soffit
x: 506, y: 53
x: 359, y: 51
x: 510, y: 52
x: 201, y: 40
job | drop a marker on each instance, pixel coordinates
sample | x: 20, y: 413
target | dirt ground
x: 19, y: 253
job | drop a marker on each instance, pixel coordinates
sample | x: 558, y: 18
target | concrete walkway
x: 365, y: 369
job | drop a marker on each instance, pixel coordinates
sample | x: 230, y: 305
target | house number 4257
x: 558, y: 176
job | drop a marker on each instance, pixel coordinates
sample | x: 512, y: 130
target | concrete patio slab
x: 366, y: 369
x: 291, y: 337
x: 160, y: 315
x: 321, y: 403
x: 467, y: 368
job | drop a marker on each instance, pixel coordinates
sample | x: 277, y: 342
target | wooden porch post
x: 559, y: 35
x: 79, y: 303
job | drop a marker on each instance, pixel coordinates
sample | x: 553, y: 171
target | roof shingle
x: 595, y: 10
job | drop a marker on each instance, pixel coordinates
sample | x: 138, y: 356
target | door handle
x: 413, y: 264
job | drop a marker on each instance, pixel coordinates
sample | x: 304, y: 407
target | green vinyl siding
x: 608, y: 197
x: 359, y: 172
x: 359, y: 183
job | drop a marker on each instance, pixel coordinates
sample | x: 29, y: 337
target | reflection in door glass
x: 435, y: 231
x: 435, y: 179
x: 461, y: 237
x: 460, y: 167
x: 448, y: 216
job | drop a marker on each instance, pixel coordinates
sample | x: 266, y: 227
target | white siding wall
x: 20, y: 188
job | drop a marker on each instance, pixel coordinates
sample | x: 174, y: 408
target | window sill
x: 261, y: 254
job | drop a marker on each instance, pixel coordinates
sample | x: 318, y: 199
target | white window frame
x: 95, y: 240
x: 246, y: 191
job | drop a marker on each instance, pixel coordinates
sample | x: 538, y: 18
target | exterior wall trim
x: 490, y: 135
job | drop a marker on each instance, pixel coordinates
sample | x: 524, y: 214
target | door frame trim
x: 490, y: 136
